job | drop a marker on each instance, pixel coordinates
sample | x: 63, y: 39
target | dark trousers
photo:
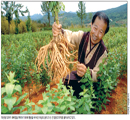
x: 75, y: 85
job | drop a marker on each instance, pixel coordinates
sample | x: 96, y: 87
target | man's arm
x: 73, y: 37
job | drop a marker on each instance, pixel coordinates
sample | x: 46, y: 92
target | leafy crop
x: 19, y: 55
x: 107, y: 81
x: 8, y: 102
x: 61, y: 100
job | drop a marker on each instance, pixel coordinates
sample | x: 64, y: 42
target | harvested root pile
x: 55, y: 57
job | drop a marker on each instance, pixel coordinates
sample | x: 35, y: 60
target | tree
x: 2, y: 12
x: 46, y: 9
x: 22, y: 27
x: 10, y: 9
x: 90, y: 16
x: 17, y: 11
x: 39, y: 21
x: 81, y: 13
x: 28, y: 22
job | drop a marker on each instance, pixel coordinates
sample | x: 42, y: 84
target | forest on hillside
x: 38, y: 22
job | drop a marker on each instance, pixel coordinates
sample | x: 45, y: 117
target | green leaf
x: 4, y: 109
x: 81, y: 93
x: 10, y: 102
x: 37, y: 110
x: 22, y: 108
x: 89, y: 77
x: 30, y: 110
x: 44, y: 110
x: 86, y: 75
x: 14, y: 81
x: 48, y: 87
x: 104, y: 106
x: 75, y: 112
x: 24, y: 112
x: 20, y: 98
x: 100, y: 108
x: 3, y: 90
x: 80, y: 110
x: 62, y: 107
x: 27, y: 101
x: 80, y: 102
x: 55, y: 99
x: 49, y: 104
x: 84, y: 80
x: 83, y: 87
x: 72, y: 108
x: 31, y: 103
x: 87, y: 107
x: 108, y: 95
x: 40, y: 101
x: 51, y: 5
x: 9, y: 89
x: 111, y: 87
x: 11, y: 76
x: 87, y: 96
x: 68, y: 99
x: 57, y: 109
x: 18, y: 88
x: 2, y: 101
x: 60, y: 101
x: 8, y: 77
x: 44, y: 96
x: 72, y: 103
x: 107, y: 100
x: 15, y: 108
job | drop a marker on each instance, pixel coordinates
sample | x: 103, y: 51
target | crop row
x: 19, y: 53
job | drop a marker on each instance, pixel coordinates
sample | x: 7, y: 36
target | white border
x: 95, y: 116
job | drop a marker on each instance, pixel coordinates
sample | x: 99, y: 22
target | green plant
x: 60, y: 96
x: 61, y: 100
x: 28, y: 105
x: 85, y: 104
x: 107, y: 81
x: 8, y: 92
x: 66, y: 101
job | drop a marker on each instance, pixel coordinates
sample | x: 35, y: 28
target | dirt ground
x: 118, y: 101
x: 117, y: 104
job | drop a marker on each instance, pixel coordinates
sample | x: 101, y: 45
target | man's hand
x: 81, y: 69
x: 56, y: 29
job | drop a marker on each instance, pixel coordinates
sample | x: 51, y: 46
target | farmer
x: 91, y: 48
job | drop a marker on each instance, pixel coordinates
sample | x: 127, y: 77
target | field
x: 26, y: 91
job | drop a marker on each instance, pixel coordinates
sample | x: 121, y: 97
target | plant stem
x: 56, y: 17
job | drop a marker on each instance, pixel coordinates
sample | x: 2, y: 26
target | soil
x: 118, y: 101
x: 35, y: 94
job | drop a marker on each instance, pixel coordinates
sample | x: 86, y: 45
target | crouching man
x: 91, y: 48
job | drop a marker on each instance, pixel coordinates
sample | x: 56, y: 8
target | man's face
x: 98, y: 29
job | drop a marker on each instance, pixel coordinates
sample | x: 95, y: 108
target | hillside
x: 34, y: 17
x: 117, y: 16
